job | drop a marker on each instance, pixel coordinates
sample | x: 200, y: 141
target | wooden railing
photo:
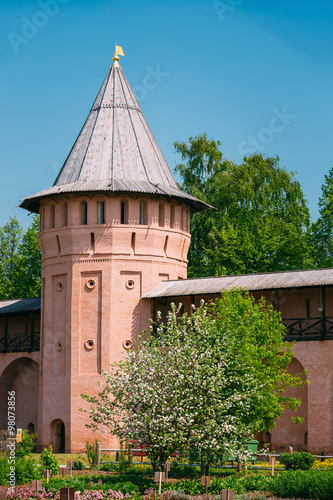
x: 309, y: 328
x: 20, y: 342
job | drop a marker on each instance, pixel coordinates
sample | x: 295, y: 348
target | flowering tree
x: 206, y: 381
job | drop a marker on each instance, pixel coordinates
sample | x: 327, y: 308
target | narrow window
x: 143, y: 217
x: 84, y: 213
x: 92, y: 241
x: 133, y: 243
x: 182, y: 220
x: 123, y: 212
x: 307, y: 308
x: 166, y: 245
x: 101, y: 215
x: 52, y: 216
x: 188, y: 220
x: 161, y: 215
x: 66, y: 214
x: 172, y: 216
x: 59, y: 246
x: 141, y: 214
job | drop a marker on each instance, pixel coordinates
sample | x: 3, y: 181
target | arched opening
x: 84, y: 207
x: 58, y: 436
x: 52, y: 216
x: 22, y: 377
x: 31, y: 428
x: 143, y: 213
x: 287, y: 433
x: 101, y: 212
x: 172, y: 215
x: 161, y: 214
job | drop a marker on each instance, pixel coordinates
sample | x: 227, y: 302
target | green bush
x: 304, y: 484
x: 4, y: 470
x: 78, y: 465
x: 48, y: 460
x: 25, y: 447
x: 26, y: 469
x: 299, y: 460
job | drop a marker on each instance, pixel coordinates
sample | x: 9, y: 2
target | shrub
x: 48, y: 460
x: 91, y: 452
x: 25, y: 447
x: 304, y: 484
x: 297, y: 461
x: 78, y: 465
x: 4, y: 470
x: 26, y: 469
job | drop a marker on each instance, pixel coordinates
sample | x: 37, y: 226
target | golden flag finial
x: 118, y: 52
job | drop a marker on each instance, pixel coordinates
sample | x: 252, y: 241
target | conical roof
x: 115, y: 151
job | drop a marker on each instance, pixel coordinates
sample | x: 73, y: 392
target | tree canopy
x: 20, y: 260
x: 321, y: 231
x: 205, y: 381
x: 260, y: 219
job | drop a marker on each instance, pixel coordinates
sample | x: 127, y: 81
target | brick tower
x: 113, y: 225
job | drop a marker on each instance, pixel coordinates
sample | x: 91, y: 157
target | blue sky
x: 255, y: 74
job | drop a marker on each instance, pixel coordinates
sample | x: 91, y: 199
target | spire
x: 115, y: 150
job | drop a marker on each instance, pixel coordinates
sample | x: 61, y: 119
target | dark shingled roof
x: 19, y: 306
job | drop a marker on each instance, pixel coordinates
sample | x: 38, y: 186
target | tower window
x: 133, y: 243
x: 101, y: 213
x: 161, y: 214
x: 84, y: 213
x: 65, y: 221
x: 123, y: 212
x: 143, y: 213
x: 52, y: 216
x: 172, y: 215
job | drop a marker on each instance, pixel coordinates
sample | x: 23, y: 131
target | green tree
x: 321, y: 232
x: 20, y: 260
x: 260, y: 219
x: 10, y: 237
x: 206, y: 381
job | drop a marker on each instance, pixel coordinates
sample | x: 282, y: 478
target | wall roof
x: 19, y: 305
x: 252, y: 282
